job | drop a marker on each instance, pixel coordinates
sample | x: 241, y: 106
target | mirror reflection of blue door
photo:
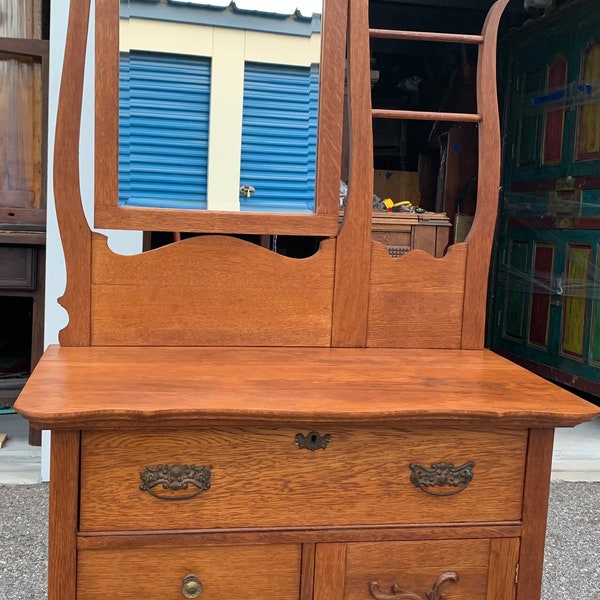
x: 163, y: 130
x: 279, y: 138
x: 213, y: 99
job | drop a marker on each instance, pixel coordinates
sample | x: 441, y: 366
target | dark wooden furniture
x: 22, y: 275
x: 402, y: 232
x: 23, y: 140
x: 211, y: 438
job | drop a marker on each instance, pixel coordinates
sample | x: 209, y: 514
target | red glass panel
x: 553, y: 133
x: 543, y: 264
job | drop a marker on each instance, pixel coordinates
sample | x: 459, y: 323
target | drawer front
x: 442, y: 569
x: 249, y: 478
x: 17, y: 268
x: 214, y: 573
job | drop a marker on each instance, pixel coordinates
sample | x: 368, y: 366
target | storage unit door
x: 279, y: 138
x: 163, y: 131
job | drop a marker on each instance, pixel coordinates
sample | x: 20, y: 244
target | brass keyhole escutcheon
x: 191, y: 587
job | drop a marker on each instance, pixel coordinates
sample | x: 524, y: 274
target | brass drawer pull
x: 440, y: 475
x: 175, y: 478
x: 397, y: 593
x: 191, y: 586
x: 313, y: 441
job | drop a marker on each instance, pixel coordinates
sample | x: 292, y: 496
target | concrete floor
x: 19, y: 462
x: 576, y: 453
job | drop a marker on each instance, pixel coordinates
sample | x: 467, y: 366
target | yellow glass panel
x: 576, y: 301
x: 588, y: 141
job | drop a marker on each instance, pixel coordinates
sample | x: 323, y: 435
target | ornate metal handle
x: 442, y: 474
x: 397, y: 593
x: 313, y: 441
x: 175, y: 478
x: 191, y: 586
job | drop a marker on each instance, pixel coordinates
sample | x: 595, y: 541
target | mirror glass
x: 218, y: 104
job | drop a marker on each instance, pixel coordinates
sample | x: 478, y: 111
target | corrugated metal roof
x: 291, y: 17
x: 304, y: 8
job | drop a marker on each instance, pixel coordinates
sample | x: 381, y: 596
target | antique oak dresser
x: 229, y: 423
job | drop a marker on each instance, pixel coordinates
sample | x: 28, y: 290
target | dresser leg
x: 535, y: 509
x: 63, y: 515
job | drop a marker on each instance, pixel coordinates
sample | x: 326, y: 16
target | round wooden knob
x: 191, y: 586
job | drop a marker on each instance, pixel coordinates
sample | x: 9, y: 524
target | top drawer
x: 262, y: 478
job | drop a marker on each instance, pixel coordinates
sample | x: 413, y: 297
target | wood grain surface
x: 416, y: 301
x: 261, y: 478
x: 415, y: 566
x: 127, y: 387
x: 481, y: 235
x: 535, y: 509
x: 75, y: 233
x: 504, y: 558
x: 169, y: 538
x: 249, y: 572
x: 63, y: 515
x: 209, y: 291
x: 349, y: 327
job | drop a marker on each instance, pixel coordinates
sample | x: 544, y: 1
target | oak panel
x: 329, y: 575
x: 416, y: 300
x: 481, y: 235
x: 307, y: 536
x: 211, y: 290
x: 504, y: 557
x: 535, y: 510
x: 261, y: 478
x: 62, y: 514
x: 130, y: 387
x: 249, y: 572
x: 349, y: 325
x: 416, y: 566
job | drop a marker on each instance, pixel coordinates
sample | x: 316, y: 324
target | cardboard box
x: 397, y: 185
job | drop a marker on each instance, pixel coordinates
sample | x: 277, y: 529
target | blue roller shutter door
x: 163, y: 131
x: 279, y: 138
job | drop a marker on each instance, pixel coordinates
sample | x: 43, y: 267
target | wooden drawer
x: 249, y: 572
x: 450, y: 569
x: 261, y: 478
x: 17, y: 268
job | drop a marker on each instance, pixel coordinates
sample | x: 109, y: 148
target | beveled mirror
x: 169, y: 75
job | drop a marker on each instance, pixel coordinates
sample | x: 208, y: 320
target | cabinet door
x: 474, y: 569
x: 209, y: 572
x: 545, y: 308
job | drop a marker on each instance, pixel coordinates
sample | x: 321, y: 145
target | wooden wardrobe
x: 228, y: 422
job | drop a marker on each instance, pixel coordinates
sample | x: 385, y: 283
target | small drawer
x: 451, y: 569
x: 17, y: 268
x: 248, y: 478
x: 206, y: 572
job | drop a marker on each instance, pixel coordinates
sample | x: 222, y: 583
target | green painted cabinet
x: 545, y: 306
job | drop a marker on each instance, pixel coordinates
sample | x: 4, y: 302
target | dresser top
x: 83, y: 387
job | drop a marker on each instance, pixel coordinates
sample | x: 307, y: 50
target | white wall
x: 124, y: 242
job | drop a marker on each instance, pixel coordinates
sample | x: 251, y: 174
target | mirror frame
x: 323, y: 222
